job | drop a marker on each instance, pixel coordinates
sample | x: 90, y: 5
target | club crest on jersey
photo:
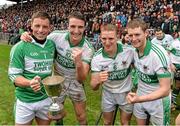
x: 69, y: 54
x: 145, y: 67
x: 115, y: 66
x: 124, y: 63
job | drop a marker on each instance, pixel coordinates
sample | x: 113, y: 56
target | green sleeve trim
x: 86, y: 61
x: 167, y: 75
x: 94, y: 71
x: 12, y: 77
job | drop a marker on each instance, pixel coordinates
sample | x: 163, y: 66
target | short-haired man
x: 74, y: 54
x: 29, y: 63
x: 161, y: 38
x: 153, y: 67
x: 111, y: 66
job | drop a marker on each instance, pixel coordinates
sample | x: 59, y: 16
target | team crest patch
x: 145, y: 67
x: 115, y: 66
x: 124, y: 63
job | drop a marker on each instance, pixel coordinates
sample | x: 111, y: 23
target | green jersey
x: 29, y: 60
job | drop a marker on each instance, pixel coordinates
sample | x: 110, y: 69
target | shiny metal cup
x: 53, y: 88
x: 53, y: 85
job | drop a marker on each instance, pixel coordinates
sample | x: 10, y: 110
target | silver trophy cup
x: 53, y: 87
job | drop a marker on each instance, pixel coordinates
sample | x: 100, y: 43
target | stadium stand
x: 157, y: 13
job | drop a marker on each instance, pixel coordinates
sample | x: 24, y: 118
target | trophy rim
x: 49, y: 79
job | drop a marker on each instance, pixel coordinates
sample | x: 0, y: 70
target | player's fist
x: 103, y: 76
x: 132, y: 97
x: 76, y: 55
x: 35, y: 83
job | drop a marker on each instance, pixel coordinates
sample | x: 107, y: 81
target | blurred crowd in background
x: 164, y: 14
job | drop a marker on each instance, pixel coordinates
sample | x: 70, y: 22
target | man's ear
x: 51, y: 28
x: 146, y: 33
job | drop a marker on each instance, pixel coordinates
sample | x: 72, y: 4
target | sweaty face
x: 41, y: 28
x: 159, y: 35
x: 109, y: 41
x: 76, y: 29
x: 137, y: 37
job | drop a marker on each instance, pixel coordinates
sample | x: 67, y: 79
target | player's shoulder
x: 20, y: 45
x: 98, y: 53
x: 128, y: 48
x: 88, y: 44
x: 159, y: 51
x: 58, y: 33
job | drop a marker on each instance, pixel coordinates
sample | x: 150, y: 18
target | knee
x: 107, y: 122
x: 82, y: 118
x: 124, y: 122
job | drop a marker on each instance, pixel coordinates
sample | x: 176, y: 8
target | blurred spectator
x: 161, y: 38
x: 155, y: 12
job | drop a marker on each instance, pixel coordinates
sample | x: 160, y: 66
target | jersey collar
x: 147, y: 49
x: 70, y: 43
x: 38, y: 44
x: 119, y: 49
x: 162, y: 38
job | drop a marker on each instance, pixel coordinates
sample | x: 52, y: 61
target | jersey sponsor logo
x: 43, y: 66
x: 118, y: 75
x: 147, y: 78
x: 65, y: 62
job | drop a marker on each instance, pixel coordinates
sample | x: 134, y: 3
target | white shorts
x: 25, y: 112
x: 110, y: 100
x: 74, y: 90
x: 159, y: 111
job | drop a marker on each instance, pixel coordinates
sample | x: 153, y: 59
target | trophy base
x: 58, y: 116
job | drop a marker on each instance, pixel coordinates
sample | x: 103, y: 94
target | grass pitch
x: 7, y: 98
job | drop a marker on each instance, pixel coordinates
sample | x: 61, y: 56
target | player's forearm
x: 81, y: 72
x: 22, y: 82
x: 95, y: 81
x: 154, y: 95
x: 163, y: 91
